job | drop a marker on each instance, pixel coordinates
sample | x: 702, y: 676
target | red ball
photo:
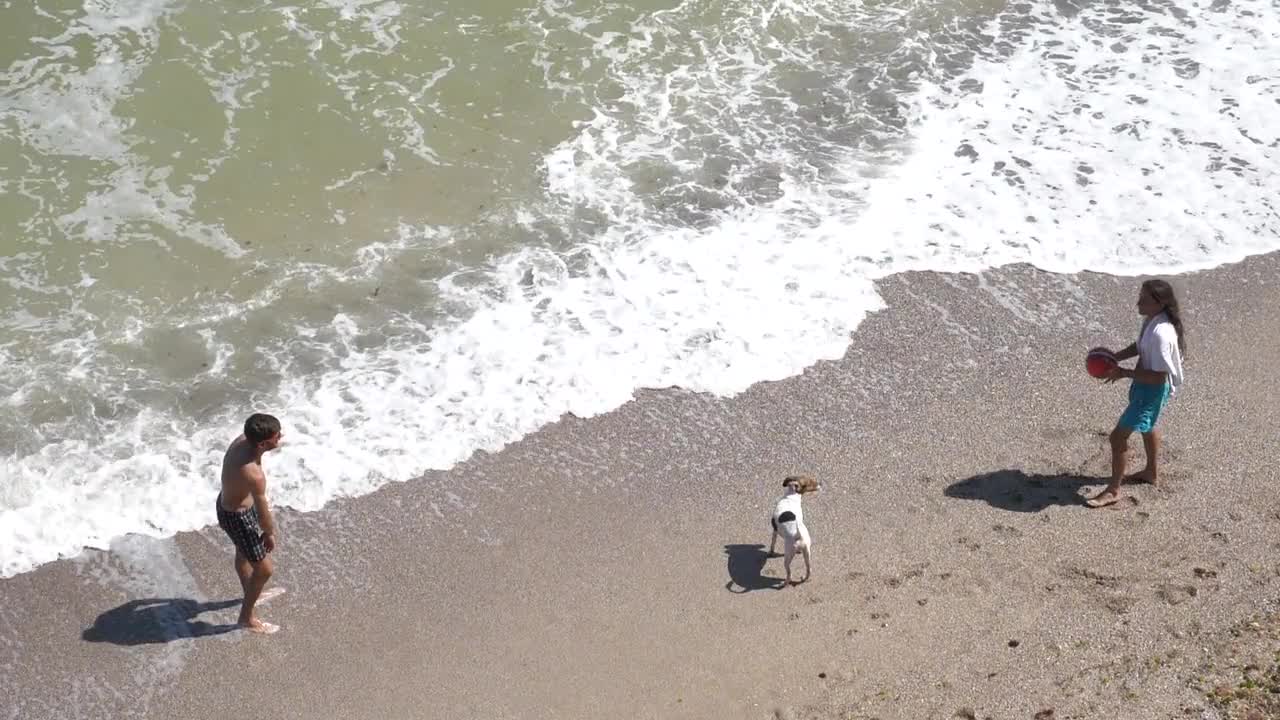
x: 1100, y: 362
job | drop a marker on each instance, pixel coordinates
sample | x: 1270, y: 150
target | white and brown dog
x: 788, y: 521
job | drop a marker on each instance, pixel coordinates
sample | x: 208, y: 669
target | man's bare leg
x: 1119, y: 448
x: 244, y: 570
x: 257, y: 581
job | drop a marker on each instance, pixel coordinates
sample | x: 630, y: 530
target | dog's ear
x: 803, y: 483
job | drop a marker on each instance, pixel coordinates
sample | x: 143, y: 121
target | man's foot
x: 1141, y: 477
x: 1103, y: 499
x: 257, y: 626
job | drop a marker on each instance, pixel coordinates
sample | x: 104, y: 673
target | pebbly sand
x: 610, y: 567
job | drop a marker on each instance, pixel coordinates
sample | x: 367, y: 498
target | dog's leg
x: 807, y: 570
x: 786, y: 563
x: 773, y: 539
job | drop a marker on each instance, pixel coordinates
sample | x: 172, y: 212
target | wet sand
x: 611, y: 566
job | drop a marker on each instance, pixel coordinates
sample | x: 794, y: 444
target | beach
x: 610, y: 566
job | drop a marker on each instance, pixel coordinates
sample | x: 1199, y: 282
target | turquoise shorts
x: 1145, y: 403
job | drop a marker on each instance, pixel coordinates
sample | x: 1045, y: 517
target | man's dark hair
x: 260, y: 427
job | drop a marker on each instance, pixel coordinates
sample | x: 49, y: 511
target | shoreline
x: 608, y: 565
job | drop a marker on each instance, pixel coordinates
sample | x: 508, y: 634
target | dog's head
x: 802, y: 484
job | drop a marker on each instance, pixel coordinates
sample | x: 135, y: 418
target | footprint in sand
x: 1111, y: 582
x: 967, y: 543
x: 1120, y: 604
x: 1006, y: 531
x: 1176, y: 594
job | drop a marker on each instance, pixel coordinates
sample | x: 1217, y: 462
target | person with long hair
x: 1153, y: 380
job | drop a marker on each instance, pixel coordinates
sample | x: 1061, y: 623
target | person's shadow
x: 1019, y: 492
x: 745, y: 564
x: 157, y: 620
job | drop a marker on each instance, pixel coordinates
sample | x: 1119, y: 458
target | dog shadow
x: 1016, y: 491
x: 157, y: 620
x: 745, y: 563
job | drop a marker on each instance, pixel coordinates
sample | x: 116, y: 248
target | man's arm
x: 258, y: 488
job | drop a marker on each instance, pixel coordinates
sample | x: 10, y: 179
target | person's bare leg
x: 257, y: 581
x: 1119, y: 448
x: 1151, y: 444
x: 244, y: 570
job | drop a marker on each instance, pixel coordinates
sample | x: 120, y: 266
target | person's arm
x: 1149, y: 377
x: 1125, y: 354
x: 258, y: 488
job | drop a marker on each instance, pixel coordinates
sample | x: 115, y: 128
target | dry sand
x: 610, y: 567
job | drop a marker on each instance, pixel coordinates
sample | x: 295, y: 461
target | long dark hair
x: 1162, y: 292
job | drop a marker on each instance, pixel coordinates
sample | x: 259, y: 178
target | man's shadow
x: 157, y: 620
x: 1019, y: 492
x: 745, y: 564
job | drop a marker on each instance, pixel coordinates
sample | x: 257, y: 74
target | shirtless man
x: 243, y: 513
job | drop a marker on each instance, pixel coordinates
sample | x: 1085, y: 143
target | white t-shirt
x: 1158, y: 350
